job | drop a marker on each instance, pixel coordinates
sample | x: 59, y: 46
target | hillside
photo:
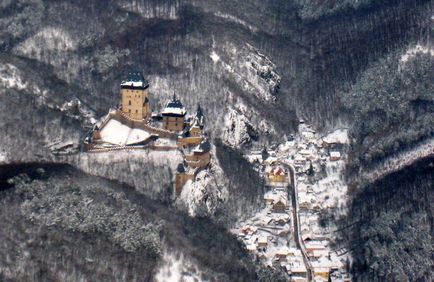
x: 260, y: 70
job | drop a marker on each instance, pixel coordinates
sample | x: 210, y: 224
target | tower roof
x: 135, y: 80
x: 203, y: 147
x: 198, y: 119
x: 174, y: 107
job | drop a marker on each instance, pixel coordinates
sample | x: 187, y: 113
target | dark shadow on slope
x: 389, y: 228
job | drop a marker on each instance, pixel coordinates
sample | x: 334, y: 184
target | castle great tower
x: 135, y: 96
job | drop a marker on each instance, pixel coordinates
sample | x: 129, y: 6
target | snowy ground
x: 398, y: 161
x: 176, y: 268
x: 418, y: 49
x: 10, y: 77
x: 114, y: 132
x: 269, y: 234
x: 3, y: 156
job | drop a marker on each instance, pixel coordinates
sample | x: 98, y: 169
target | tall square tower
x: 135, y: 96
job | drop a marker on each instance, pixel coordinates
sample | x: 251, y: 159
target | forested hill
x: 389, y: 227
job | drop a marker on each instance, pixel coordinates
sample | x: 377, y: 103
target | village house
x: 280, y: 205
x: 282, y: 253
x: 335, y: 156
x: 277, y: 174
x: 262, y: 242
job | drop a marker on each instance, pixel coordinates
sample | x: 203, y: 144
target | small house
x: 335, y: 156
x: 269, y: 197
x: 299, y: 160
x: 280, y: 205
x: 282, y: 253
x: 262, y: 242
x: 277, y: 174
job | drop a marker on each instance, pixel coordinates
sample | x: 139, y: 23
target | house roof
x: 198, y: 119
x: 135, y: 79
x: 203, y: 147
x: 335, y: 154
x: 278, y: 170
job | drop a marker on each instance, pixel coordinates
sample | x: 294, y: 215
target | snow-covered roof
x: 335, y: 154
x: 203, y: 147
x: 135, y: 79
x: 174, y: 107
x: 278, y: 170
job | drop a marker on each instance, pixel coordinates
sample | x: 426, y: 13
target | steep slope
x: 58, y: 223
x: 389, y: 227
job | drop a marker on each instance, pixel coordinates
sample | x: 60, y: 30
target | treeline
x: 245, y: 186
x: 392, y: 107
x: 94, y: 229
x: 389, y: 227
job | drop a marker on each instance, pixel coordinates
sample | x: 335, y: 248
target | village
x: 303, y: 177
x: 133, y: 126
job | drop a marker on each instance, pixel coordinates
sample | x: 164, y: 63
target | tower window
x: 129, y: 102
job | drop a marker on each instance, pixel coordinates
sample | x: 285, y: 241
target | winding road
x: 295, y: 209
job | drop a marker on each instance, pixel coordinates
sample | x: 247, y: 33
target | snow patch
x: 177, y: 268
x: 10, y: 77
x: 339, y: 136
x: 214, y: 57
x: 3, y: 156
x: 49, y: 38
x: 150, y: 10
x: 418, y: 49
x: 236, y: 20
x: 114, y: 132
x: 76, y: 109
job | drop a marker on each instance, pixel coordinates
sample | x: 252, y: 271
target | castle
x: 133, y: 126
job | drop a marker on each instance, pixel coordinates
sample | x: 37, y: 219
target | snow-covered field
x: 114, y: 132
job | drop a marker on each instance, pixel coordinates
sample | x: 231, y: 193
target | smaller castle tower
x: 197, y: 123
x: 174, y: 115
x: 135, y: 96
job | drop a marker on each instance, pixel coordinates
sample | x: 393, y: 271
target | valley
x: 197, y: 140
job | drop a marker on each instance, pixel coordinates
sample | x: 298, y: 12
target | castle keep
x: 133, y: 126
x: 135, y: 97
